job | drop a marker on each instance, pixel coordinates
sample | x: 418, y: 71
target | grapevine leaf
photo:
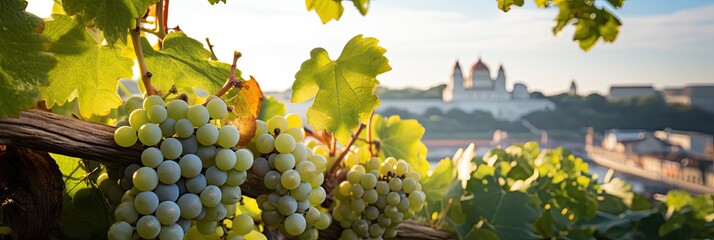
x: 362, y: 6
x: 326, y: 9
x: 114, y: 17
x: 678, y: 199
x: 401, y: 139
x: 213, y: 2
x: 271, y: 107
x: 505, y: 5
x: 23, y: 62
x: 508, y: 213
x: 344, y: 88
x: 246, y: 100
x: 85, y: 214
x: 438, y: 185
x: 86, y: 70
x: 183, y: 61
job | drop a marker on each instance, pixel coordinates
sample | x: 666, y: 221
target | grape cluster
x: 190, y: 172
x: 293, y: 174
x: 376, y: 197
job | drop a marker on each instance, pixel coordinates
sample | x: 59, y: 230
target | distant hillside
x: 407, y: 93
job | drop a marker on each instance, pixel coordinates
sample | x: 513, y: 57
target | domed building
x: 480, y: 85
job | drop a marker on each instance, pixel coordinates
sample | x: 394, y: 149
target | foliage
x: 592, y: 22
x: 23, y: 61
x: 411, y: 93
x: 344, y: 88
x: 401, y: 139
x: 113, y: 17
x: 329, y: 10
x: 271, y: 107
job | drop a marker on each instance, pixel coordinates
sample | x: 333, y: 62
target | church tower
x: 455, y: 89
x: 500, y: 84
x: 573, y: 88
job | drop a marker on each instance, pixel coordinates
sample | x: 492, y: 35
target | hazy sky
x: 664, y: 42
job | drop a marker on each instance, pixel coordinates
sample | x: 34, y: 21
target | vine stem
x: 165, y: 17
x: 232, y: 80
x: 143, y: 69
x: 339, y: 159
x: 161, y: 21
x: 369, y: 136
x: 210, y: 47
x: 333, y: 145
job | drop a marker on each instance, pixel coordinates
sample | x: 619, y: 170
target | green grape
x: 119, y: 231
x: 312, y: 215
x: 231, y: 194
x: 137, y: 119
x: 150, y: 134
x: 319, y: 161
x: 361, y: 228
x: 390, y: 232
x: 368, y: 181
x: 357, y: 191
x: 190, y: 165
x: 409, y: 185
x: 217, y: 109
x: 395, y: 184
x: 156, y: 114
x: 351, y: 160
x: 244, y: 160
x: 358, y: 205
x: 132, y: 104
x: 293, y: 120
x: 355, y: 174
x: 277, y: 122
x: 235, y: 178
x: 216, y: 213
x: 211, y: 196
x: 317, y: 180
x: 207, y: 154
x: 121, y: 123
x: 145, y: 179
x: 373, y: 164
x: 167, y: 192
x: 302, y: 192
x: 265, y: 143
x: 371, y: 213
x: 169, y: 172
x: 207, y: 134
x: 225, y: 159
x: 391, y: 211
x: 260, y: 128
x: 348, y: 234
x: 382, y: 188
x: 393, y: 198
x: 271, y: 179
x: 290, y: 179
x: 413, y: 175
x: 172, y: 231
x: 190, y: 205
x: 196, y: 184
x: 146, y: 202
x: 386, y: 168
x: 168, y: 127
x: 272, y: 218
x: 215, y: 176
x: 370, y: 196
x: 170, y: 148
x: 126, y: 212
x: 152, y: 157
x: 384, y: 221
x: 152, y: 101
x: 403, y: 204
x: 416, y: 201
x: 375, y: 230
x: 105, y: 184
x: 183, y: 128
x: 297, y: 133
x: 284, y: 143
x: 177, y: 109
x: 284, y: 162
x: 125, y: 136
x: 317, y: 196
x: 168, y: 212
x: 391, y: 160
x: 324, y: 221
x: 287, y: 205
x: 206, y: 227
x: 300, y: 152
x: 401, y: 168
x: 198, y: 115
x: 228, y: 136
x: 295, y: 224
x: 190, y: 145
x: 243, y: 224
x: 345, y: 188
x: 306, y: 169
x: 381, y: 201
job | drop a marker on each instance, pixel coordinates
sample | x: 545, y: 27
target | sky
x: 667, y: 43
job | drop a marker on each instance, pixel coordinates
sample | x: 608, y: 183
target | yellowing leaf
x: 344, y: 88
x: 326, y: 9
x: 401, y: 139
x: 85, y: 69
x: 23, y: 62
x: 246, y: 104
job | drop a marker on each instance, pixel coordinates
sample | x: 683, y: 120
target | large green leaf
x: 184, y: 62
x: 344, y: 88
x: 85, y: 214
x: 505, y: 5
x: 438, y: 188
x: 507, y: 213
x: 114, y: 17
x: 401, y: 139
x: 23, y: 62
x: 86, y: 69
